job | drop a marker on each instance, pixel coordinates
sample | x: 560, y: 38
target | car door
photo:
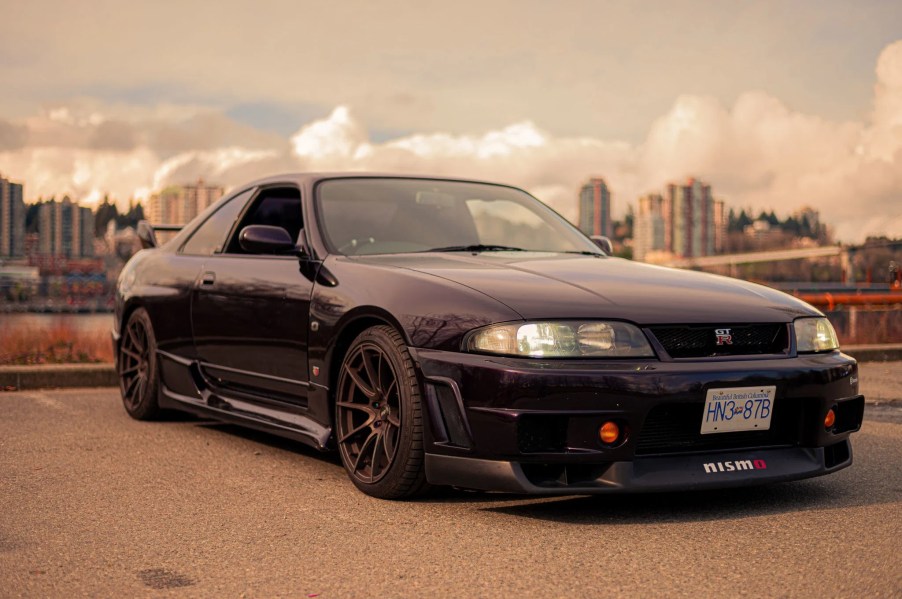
x: 250, y: 312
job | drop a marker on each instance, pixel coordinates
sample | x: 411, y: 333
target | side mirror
x: 265, y: 239
x: 604, y: 243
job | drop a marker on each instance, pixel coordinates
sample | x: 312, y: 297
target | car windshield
x: 388, y: 216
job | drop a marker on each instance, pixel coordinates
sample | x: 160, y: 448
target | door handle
x: 207, y: 279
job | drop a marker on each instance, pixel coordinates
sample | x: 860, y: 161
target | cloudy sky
x: 777, y: 104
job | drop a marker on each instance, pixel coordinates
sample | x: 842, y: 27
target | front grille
x: 675, y: 428
x: 701, y: 341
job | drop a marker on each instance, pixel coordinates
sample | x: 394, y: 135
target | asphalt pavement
x: 93, y: 503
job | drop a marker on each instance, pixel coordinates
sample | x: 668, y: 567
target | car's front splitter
x: 644, y: 474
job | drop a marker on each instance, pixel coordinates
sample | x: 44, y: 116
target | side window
x: 207, y: 239
x: 279, y: 207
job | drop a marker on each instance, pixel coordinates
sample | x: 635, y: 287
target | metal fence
x: 867, y: 324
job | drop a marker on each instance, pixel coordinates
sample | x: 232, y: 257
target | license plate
x: 738, y: 409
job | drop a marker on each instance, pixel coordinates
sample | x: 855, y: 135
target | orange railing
x: 831, y: 300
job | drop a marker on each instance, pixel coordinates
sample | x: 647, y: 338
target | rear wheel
x: 378, y: 416
x: 137, y: 367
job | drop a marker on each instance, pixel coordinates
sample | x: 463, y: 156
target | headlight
x: 814, y: 335
x: 561, y: 340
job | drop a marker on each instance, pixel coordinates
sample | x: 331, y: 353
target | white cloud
x: 757, y: 152
x: 337, y: 137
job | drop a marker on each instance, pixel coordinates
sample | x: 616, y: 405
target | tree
x: 106, y: 212
x: 792, y: 226
x: 32, y: 216
x: 738, y: 224
x: 131, y: 218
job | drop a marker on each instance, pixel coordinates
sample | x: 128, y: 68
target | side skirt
x: 300, y: 428
x: 222, y: 405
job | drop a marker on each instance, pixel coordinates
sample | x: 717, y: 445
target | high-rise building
x: 720, y: 226
x: 65, y: 229
x: 648, y: 230
x: 178, y: 204
x: 691, y: 226
x: 595, y: 208
x: 685, y: 222
x: 12, y: 219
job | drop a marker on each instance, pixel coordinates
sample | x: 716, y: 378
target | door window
x: 207, y: 239
x: 278, y: 207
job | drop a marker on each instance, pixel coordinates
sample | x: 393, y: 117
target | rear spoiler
x: 146, y: 233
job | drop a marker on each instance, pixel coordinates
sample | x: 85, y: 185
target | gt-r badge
x: 723, y: 336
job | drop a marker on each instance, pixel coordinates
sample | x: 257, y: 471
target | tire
x: 378, y: 416
x: 139, y: 378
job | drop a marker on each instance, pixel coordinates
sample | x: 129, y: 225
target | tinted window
x: 279, y: 207
x: 209, y: 237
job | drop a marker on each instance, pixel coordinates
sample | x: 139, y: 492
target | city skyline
x: 689, y: 216
x: 777, y: 106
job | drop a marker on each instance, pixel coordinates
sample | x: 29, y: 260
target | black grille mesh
x: 541, y: 433
x: 693, y: 341
x: 675, y: 428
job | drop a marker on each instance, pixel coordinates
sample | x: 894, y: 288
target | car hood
x: 546, y: 285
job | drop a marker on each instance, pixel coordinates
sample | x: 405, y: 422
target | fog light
x: 830, y: 419
x: 609, y: 433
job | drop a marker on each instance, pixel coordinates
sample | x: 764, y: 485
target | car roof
x: 302, y: 179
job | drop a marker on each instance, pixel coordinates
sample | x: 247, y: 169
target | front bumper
x: 531, y: 426
x: 660, y: 473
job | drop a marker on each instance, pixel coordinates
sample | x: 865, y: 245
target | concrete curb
x: 887, y: 352
x: 58, y: 375
x: 104, y: 375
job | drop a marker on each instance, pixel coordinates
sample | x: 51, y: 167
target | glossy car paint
x: 259, y: 339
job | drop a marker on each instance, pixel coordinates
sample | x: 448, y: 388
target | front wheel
x: 378, y: 416
x: 137, y: 367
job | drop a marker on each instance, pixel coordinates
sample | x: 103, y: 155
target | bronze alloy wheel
x: 378, y: 419
x: 137, y: 367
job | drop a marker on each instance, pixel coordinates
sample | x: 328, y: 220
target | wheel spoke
x: 368, y: 422
x: 142, y: 385
x: 355, y: 376
x: 370, y: 371
x: 129, y: 369
x: 374, y: 460
x: 393, y: 420
x: 389, y: 450
x: 389, y: 443
x: 134, y: 337
x: 130, y: 386
x: 379, y: 366
x: 363, y: 450
x: 350, y: 405
x: 132, y: 354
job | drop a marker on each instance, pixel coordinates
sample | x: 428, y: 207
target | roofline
x: 302, y: 178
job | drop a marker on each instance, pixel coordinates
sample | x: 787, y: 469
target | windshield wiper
x: 477, y: 248
x: 584, y: 253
